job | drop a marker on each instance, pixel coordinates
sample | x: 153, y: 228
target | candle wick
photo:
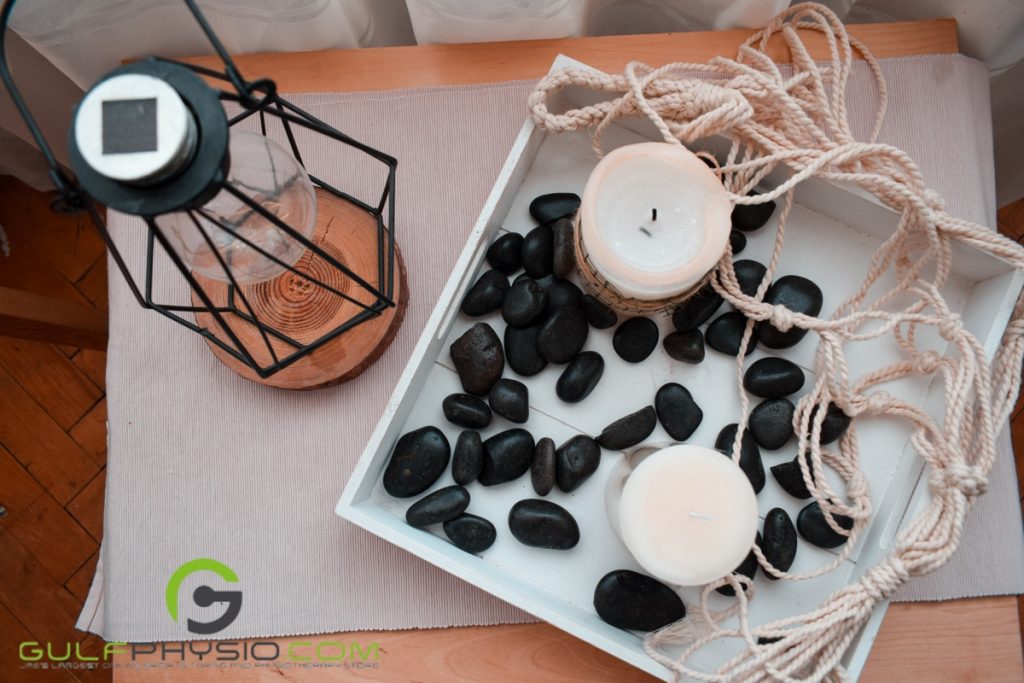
x: 654, y: 214
x: 701, y: 515
x: 646, y: 231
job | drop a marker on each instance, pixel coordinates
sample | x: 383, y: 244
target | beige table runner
x: 204, y: 464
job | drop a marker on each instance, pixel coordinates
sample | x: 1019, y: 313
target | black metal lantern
x: 292, y: 281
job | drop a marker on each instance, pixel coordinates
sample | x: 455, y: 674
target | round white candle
x: 654, y: 219
x: 688, y: 515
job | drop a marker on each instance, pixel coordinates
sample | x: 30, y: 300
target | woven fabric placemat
x: 202, y: 463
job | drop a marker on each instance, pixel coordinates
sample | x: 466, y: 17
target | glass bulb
x: 270, y: 176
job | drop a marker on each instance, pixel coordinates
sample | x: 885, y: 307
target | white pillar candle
x: 654, y: 219
x: 687, y: 514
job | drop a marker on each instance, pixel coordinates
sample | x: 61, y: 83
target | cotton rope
x: 800, y: 120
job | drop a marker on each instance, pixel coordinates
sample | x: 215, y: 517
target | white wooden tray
x: 830, y: 237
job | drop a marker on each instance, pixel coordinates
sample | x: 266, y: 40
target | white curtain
x: 83, y: 39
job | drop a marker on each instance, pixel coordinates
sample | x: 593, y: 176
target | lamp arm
x: 70, y: 198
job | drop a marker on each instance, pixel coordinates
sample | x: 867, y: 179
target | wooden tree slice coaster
x: 304, y: 311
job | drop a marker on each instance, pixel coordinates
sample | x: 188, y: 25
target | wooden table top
x: 960, y: 640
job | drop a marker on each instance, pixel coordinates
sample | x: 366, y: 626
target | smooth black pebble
x: 630, y: 430
x: 550, y: 207
x: 419, y: 459
x: 575, y: 461
x: 779, y: 545
x: 725, y: 333
x: 598, y: 315
x: 834, y: 425
x: 748, y: 568
x: 439, y: 506
x: 563, y: 250
x: 747, y: 217
x: 522, y: 351
x: 511, y: 399
x: 468, y: 458
x: 506, y: 253
x: 635, y: 339
x: 543, y: 524
x: 799, y: 295
x: 771, y: 423
x: 750, y: 454
x: 580, y: 377
x: 486, y: 295
x: 738, y: 241
x: 524, y: 303
x: 542, y: 469
x: 633, y: 601
x: 470, y: 533
x: 478, y: 358
x: 791, y: 479
x: 560, y: 293
x: 563, y: 334
x: 466, y: 410
x: 678, y: 413
x: 538, y: 251
x: 687, y: 347
x: 697, y: 310
x: 749, y: 274
x: 507, y: 456
x: 812, y: 526
x: 773, y: 377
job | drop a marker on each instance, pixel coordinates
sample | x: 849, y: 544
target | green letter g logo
x: 204, y: 596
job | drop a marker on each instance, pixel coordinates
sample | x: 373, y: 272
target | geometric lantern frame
x: 219, y: 314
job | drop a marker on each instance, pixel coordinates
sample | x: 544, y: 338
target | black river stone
x: 505, y: 253
x: 478, y: 358
x: 798, y: 294
x: 791, y: 479
x: 598, y: 315
x: 524, y: 303
x: 543, y: 524
x: 486, y: 294
x: 748, y: 568
x: 635, y: 339
x: 834, y: 425
x: 725, y: 333
x: 419, y: 459
x: 697, y: 310
x: 468, y: 458
x: 687, y: 347
x: 575, y: 461
x: 629, y: 430
x: 779, y: 545
x: 773, y: 378
x: 470, y: 533
x: 629, y: 600
x: 563, y: 334
x: 750, y: 454
x: 522, y: 352
x: 542, y: 469
x: 507, y: 456
x: 466, y: 410
x: 749, y: 274
x: 511, y: 399
x: 561, y: 293
x: 678, y: 413
x: 563, y: 255
x: 551, y: 207
x: 580, y: 377
x: 747, y: 217
x: 771, y: 423
x: 738, y: 241
x: 538, y: 251
x: 439, y: 506
x: 812, y: 526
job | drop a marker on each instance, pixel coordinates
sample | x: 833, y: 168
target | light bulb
x: 272, y: 178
